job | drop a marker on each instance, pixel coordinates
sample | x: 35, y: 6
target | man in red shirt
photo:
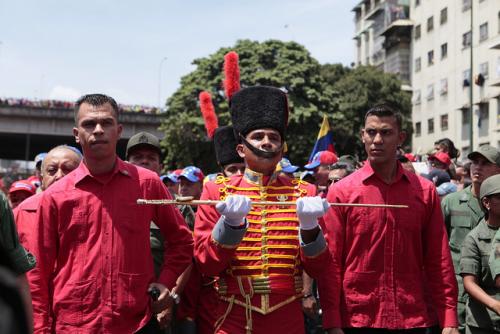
x: 93, y: 240
x: 392, y: 267
x: 58, y: 162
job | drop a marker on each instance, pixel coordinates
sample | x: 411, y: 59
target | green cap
x: 490, y: 186
x: 143, y: 139
x: 488, y: 152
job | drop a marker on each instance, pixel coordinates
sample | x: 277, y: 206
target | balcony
x: 495, y: 44
x: 399, y: 26
x: 376, y: 9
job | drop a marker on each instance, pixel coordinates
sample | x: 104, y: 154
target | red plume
x: 232, y: 74
x: 208, y: 112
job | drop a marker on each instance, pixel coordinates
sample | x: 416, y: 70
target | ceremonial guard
x: 259, y: 251
x: 199, y: 299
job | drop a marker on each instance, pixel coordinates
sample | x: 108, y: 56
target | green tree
x: 274, y: 63
x: 358, y: 90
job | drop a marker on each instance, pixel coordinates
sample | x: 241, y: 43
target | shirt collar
x: 485, y: 231
x: 368, y: 172
x: 258, y: 178
x: 120, y: 167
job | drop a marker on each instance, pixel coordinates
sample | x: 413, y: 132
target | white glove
x: 234, y: 209
x: 309, y: 209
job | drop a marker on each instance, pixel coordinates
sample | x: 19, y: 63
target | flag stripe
x: 325, y: 139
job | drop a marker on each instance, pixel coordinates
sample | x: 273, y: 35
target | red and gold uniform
x: 260, y: 264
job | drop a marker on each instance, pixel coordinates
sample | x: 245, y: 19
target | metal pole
x: 471, y: 128
x: 159, y: 82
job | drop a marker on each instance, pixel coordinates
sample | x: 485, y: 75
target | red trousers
x: 287, y: 319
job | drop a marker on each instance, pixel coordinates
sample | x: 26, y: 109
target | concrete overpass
x: 25, y: 132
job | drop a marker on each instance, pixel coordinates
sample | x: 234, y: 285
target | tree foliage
x: 274, y: 63
x: 343, y: 94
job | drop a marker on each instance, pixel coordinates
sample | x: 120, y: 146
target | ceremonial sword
x: 190, y: 201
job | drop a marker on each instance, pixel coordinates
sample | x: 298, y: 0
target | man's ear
x: 362, y: 135
x: 239, y: 150
x: 120, y: 129
x: 486, y: 202
x: 402, y: 137
x: 75, y: 134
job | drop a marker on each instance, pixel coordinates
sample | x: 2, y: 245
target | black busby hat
x: 225, y: 146
x: 259, y: 107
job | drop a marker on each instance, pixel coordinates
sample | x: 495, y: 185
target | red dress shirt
x: 95, y: 261
x: 25, y: 216
x: 388, y: 261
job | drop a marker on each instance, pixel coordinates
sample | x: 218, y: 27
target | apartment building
x: 429, y: 44
x: 443, y: 41
x: 383, y: 36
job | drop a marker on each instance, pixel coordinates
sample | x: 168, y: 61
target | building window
x: 466, y: 39
x: 444, y: 122
x: 443, y: 86
x: 483, y: 121
x: 417, y: 31
x: 483, y: 32
x: 466, y: 78
x: 466, y: 116
x: 498, y: 110
x: 430, y: 58
x: 418, y: 64
x: 430, y: 125
x: 444, y: 50
x: 499, y: 22
x: 498, y: 67
x: 430, y: 92
x: 484, y: 70
x: 465, y: 125
x: 466, y: 4
x: 430, y: 23
x: 417, y: 3
x: 418, y: 129
x: 443, y: 18
x: 416, y: 97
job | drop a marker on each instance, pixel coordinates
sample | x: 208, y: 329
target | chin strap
x: 261, y: 153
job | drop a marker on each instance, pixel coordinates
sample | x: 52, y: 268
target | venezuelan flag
x: 325, y: 139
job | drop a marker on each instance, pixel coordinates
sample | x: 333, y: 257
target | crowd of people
x: 95, y: 244
x: 57, y: 104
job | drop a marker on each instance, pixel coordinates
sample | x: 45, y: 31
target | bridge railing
x: 65, y: 105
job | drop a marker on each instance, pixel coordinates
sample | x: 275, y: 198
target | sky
x: 137, y: 51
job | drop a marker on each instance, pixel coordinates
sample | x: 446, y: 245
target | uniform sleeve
x: 45, y: 245
x: 330, y: 282
x: 315, y: 255
x: 494, y: 260
x: 438, y: 263
x: 178, y: 241
x: 470, y: 257
x: 445, y: 209
x: 22, y: 260
x: 215, y: 244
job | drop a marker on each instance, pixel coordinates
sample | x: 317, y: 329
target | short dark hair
x: 96, y: 100
x: 385, y: 110
x: 343, y: 165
